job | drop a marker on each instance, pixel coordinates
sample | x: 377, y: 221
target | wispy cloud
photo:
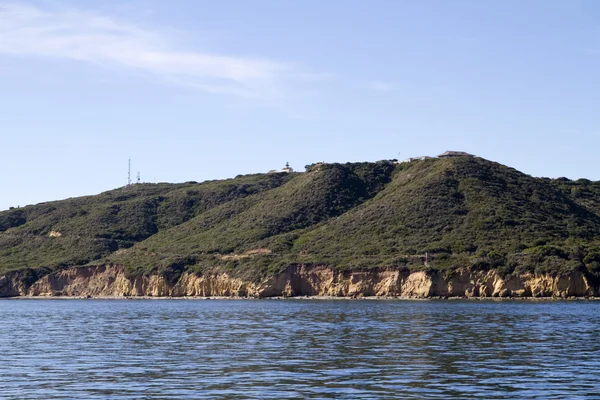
x: 379, y: 86
x: 88, y: 37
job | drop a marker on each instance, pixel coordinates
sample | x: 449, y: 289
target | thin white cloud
x: 379, y: 86
x: 88, y: 37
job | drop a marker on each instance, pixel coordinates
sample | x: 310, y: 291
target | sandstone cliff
x: 111, y: 281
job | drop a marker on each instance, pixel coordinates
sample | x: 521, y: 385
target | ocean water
x: 294, y: 349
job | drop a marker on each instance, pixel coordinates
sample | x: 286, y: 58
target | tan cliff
x: 302, y: 280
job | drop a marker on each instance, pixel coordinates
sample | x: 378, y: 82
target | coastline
x: 312, y: 298
x: 300, y: 282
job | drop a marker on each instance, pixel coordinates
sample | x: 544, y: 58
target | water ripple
x: 261, y: 349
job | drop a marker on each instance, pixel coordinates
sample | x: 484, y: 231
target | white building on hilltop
x: 411, y: 159
x: 455, y: 154
x: 287, y: 169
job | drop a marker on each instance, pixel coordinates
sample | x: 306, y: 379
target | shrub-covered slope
x: 463, y: 212
x: 258, y: 223
x: 80, y: 230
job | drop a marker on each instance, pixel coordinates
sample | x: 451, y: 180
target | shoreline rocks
x: 110, y: 281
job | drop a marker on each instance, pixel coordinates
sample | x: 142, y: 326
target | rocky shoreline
x: 306, y: 298
x: 110, y: 281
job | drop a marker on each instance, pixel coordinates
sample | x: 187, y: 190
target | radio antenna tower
x: 129, y: 173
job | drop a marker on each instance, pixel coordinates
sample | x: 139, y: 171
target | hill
x: 437, y: 214
x: 81, y: 230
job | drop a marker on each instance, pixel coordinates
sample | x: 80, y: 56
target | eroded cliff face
x: 111, y: 281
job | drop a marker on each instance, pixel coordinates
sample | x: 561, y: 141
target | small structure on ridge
x: 450, y: 153
x: 286, y: 169
x: 411, y: 159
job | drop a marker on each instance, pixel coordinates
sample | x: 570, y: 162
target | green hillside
x: 80, y: 230
x: 268, y: 220
x: 463, y: 212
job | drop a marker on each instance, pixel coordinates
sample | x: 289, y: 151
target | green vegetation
x: 462, y: 212
x: 82, y: 230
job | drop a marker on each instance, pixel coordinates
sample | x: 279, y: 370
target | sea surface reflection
x: 291, y: 349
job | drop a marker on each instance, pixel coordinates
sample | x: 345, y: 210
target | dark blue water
x: 280, y: 349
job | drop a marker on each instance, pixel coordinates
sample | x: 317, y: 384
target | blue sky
x: 196, y: 90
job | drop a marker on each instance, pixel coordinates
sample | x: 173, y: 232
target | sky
x: 204, y: 89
